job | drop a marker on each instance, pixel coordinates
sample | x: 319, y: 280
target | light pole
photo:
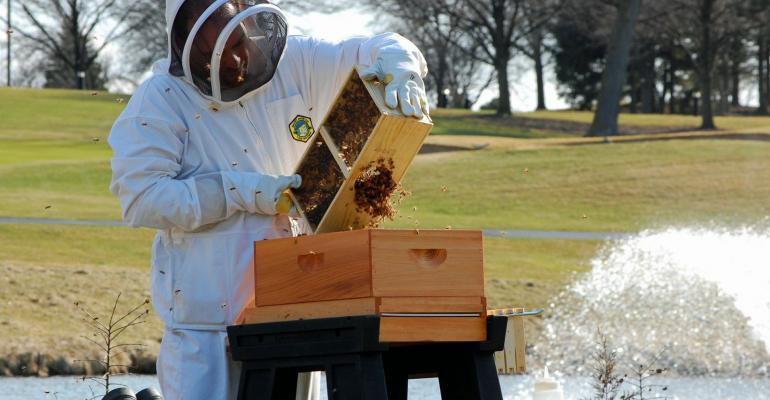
x: 9, y: 32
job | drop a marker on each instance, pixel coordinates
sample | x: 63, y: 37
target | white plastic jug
x: 547, y: 388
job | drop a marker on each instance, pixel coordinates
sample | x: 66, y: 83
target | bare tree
x: 149, y: 41
x: 757, y: 16
x: 495, y: 27
x: 457, y: 78
x: 536, y: 14
x: 606, y: 117
x: 106, y: 335
x: 701, y: 29
x: 65, y: 30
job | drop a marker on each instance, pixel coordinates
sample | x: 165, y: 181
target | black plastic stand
x: 357, y: 365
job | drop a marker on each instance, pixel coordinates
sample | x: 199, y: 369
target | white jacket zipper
x: 266, y: 154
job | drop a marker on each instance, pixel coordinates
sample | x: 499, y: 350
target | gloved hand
x: 270, y: 190
x: 404, y: 84
x: 254, y: 192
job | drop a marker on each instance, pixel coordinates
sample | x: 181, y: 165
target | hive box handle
x: 428, y: 257
x: 310, y: 262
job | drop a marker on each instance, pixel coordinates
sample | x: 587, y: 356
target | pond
x: 514, y: 388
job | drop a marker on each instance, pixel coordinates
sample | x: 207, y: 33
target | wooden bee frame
x: 512, y: 359
x: 359, y: 130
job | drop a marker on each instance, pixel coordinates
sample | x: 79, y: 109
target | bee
x: 47, y: 207
x: 416, y: 231
x: 94, y: 93
x: 234, y: 163
x: 177, y: 291
x: 585, y: 216
x: 444, y: 189
x: 526, y: 171
x: 9, y: 31
x: 144, y: 124
x: 120, y: 100
x: 245, y: 150
x: 232, y: 188
x: 168, y: 90
x: 162, y: 272
x: 197, y: 116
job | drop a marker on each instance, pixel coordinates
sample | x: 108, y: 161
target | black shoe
x: 149, y: 394
x: 120, y: 394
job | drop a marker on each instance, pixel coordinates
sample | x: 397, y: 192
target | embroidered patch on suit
x: 301, y: 128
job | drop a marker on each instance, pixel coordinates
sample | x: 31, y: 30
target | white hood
x: 265, y: 41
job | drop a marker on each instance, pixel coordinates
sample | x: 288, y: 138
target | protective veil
x: 240, y: 58
x: 205, y: 175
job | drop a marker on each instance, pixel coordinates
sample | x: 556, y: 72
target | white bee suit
x: 194, y: 170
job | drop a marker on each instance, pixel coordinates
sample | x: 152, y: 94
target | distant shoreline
x: 44, y: 365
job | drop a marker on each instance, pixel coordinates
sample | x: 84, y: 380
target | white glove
x: 404, y: 84
x: 259, y: 193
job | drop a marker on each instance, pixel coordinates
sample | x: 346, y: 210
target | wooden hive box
x: 358, y: 132
x: 426, y: 285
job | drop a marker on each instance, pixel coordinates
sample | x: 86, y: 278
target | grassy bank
x: 617, y: 187
x: 54, y: 163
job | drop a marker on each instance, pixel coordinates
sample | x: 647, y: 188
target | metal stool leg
x: 308, y: 386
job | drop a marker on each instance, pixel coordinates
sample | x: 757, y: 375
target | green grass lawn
x: 615, y: 187
x: 462, y: 122
x: 51, y: 167
x: 63, y: 189
x: 722, y: 122
x: 528, y: 272
x: 50, y: 114
x: 549, y: 124
x: 53, y: 245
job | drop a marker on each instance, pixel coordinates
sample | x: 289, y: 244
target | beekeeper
x: 205, y: 147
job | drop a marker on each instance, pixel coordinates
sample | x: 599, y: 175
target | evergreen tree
x: 579, y: 62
